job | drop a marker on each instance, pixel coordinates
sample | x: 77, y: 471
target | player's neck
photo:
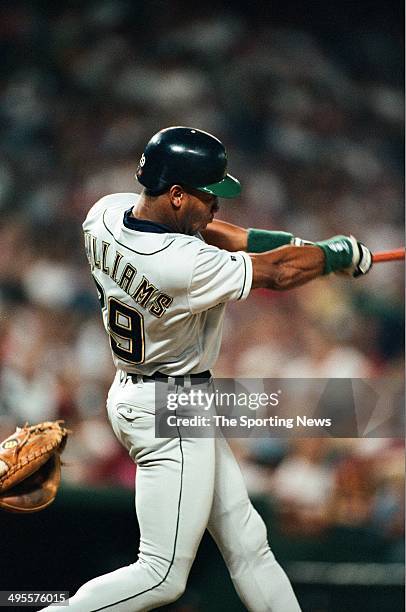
x: 155, y: 210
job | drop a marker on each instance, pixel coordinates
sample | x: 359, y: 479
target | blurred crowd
x: 317, y: 486
x: 314, y: 132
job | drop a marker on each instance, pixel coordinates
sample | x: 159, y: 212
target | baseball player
x: 164, y: 272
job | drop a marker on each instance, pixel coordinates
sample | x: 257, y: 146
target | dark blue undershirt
x: 143, y: 225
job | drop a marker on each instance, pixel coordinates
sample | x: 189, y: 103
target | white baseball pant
x: 183, y: 486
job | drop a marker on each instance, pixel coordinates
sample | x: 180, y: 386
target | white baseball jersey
x: 163, y: 294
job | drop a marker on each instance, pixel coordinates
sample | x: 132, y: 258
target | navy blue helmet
x: 188, y: 157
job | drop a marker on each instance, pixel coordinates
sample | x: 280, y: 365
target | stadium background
x: 310, y: 104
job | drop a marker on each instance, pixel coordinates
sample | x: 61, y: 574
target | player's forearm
x: 226, y: 236
x: 234, y: 238
x: 287, y: 267
x: 291, y: 266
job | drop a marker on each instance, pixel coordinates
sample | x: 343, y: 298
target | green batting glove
x: 346, y: 254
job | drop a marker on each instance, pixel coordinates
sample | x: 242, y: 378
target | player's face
x: 199, y: 211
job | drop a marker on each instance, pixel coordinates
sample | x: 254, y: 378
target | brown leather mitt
x: 30, y: 466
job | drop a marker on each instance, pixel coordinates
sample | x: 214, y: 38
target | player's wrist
x: 260, y: 241
x: 338, y: 253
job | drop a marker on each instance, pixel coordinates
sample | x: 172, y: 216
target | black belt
x: 195, y: 379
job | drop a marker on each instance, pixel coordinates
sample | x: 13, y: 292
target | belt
x: 195, y: 379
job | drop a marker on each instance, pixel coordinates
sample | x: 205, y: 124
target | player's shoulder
x: 196, y: 240
x: 198, y: 244
x: 117, y: 201
x: 193, y: 253
x: 190, y: 246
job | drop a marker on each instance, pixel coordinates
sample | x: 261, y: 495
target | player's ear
x: 177, y: 195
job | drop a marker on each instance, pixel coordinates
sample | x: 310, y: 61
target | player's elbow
x: 275, y: 277
x: 282, y: 283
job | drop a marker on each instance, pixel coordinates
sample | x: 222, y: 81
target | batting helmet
x: 188, y: 157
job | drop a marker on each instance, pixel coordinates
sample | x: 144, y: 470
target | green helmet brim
x: 228, y: 187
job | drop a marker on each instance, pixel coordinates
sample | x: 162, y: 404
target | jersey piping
x: 174, y: 545
x: 129, y: 248
x: 245, y: 278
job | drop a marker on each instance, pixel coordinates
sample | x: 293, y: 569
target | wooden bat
x: 393, y: 255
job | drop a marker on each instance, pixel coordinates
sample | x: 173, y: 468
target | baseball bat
x: 393, y: 255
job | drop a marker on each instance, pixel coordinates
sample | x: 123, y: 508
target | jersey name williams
x: 145, y: 293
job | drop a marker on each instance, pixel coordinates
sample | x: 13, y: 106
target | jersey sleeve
x: 219, y: 276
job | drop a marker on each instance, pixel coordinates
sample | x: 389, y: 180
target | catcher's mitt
x: 30, y: 466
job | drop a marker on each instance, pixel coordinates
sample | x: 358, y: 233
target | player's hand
x: 361, y: 259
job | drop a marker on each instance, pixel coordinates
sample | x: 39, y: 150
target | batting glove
x: 361, y: 258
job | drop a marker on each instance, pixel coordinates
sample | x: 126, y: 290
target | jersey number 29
x: 125, y: 328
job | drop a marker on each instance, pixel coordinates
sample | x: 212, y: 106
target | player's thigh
x: 174, y: 493
x: 229, y: 486
x: 175, y: 476
x: 233, y: 521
